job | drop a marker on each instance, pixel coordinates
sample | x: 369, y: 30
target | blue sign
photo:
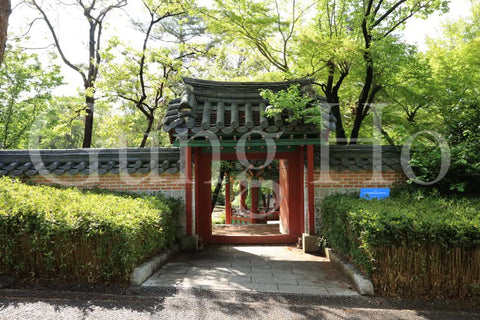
x: 371, y: 193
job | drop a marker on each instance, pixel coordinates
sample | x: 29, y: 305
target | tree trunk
x: 362, y: 106
x: 218, y: 187
x: 331, y: 93
x: 340, y: 135
x: 5, y: 10
x: 87, y: 137
x: 146, y: 134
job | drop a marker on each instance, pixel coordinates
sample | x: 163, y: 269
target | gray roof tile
x: 360, y: 157
x: 162, y: 160
x: 229, y: 108
x: 86, y: 161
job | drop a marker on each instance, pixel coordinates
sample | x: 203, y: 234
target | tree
x: 455, y: 61
x: 344, y: 38
x: 25, y: 91
x: 267, y: 26
x: 147, y: 77
x: 379, y: 19
x: 60, y: 125
x: 95, y: 14
x: 5, y: 10
x: 147, y: 94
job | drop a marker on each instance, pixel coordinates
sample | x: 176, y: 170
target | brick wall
x: 171, y: 185
x: 328, y: 183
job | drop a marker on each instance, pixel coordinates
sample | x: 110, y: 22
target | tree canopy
x: 352, y: 50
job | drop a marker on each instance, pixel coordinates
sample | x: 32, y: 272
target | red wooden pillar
x: 203, y: 193
x: 310, y: 190
x: 228, y: 204
x: 198, y: 154
x: 243, y: 195
x: 302, y: 187
x: 254, y: 200
x: 276, y: 190
x: 188, y: 190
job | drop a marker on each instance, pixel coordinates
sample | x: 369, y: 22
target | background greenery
x: 354, y: 53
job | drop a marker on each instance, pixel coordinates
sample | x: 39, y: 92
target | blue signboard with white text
x: 374, y: 193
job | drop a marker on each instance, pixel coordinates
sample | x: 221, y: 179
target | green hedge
x: 414, y: 238
x: 60, y: 233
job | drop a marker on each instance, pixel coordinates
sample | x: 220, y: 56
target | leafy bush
x: 432, y: 229
x: 83, y: 235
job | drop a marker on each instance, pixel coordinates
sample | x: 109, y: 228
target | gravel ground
x: 151, y: 303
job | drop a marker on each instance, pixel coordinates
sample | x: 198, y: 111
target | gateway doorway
x: 245, y: 220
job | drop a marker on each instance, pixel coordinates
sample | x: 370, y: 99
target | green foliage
x: 295, y: 102
x: 219, y: 220
x: 25, y: 92
x: 453, y: 105
x: 92, y: 236
x: 144, y: 79
x: 356, y: 227
x: 60, y: 125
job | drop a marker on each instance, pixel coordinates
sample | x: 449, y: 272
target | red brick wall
x: 334, y: 182
x: 118, y: 182
x: 358, y: 179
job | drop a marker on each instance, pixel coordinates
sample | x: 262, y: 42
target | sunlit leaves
x: 25, y: 91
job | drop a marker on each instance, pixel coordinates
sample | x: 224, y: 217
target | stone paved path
x: 282, y: 269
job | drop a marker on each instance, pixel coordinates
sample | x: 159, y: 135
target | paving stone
x: 310, y: 281
x: 177, y: 265
x: 300, y: 271
x: 261, y: 270
x: 231, y: 278
x: 259, y: 287
x: 162, y: 283
x: 198, y: 283
x: 240, y: 270
x: 252, y: 268
x: 284, y: 274
x: 275, y: 280
x: 175, y: 270
x: 171, y: 276
x: 288, y: 288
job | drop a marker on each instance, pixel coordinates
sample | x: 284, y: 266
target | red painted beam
x: 188, y: 190
x: 310, y: 190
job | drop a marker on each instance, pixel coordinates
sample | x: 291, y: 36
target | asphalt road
x: 139, y: 303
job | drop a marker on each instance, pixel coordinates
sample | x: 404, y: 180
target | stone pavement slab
x: 272, y: 269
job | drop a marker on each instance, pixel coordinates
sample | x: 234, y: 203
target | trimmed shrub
x: 411, y: 245
x: 60, y: 233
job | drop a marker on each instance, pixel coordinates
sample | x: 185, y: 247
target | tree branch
x: 57, y: 43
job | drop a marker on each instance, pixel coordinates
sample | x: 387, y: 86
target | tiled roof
x: 87, y: 161
x: 361, y: 158
x: 163, y: 160
x: 231, y: 108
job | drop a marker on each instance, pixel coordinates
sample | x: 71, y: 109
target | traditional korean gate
x: 291, y: 206
x: 224, y: 119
